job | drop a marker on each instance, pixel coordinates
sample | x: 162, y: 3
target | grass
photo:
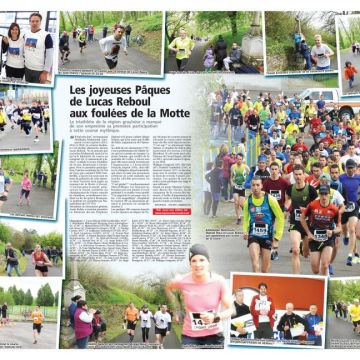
x: 16, y: 312
x: 177, y: 328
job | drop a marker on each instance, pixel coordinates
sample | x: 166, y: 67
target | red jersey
x: 315, y: 125
x: 312, y: 181
x: 298, y: 146
x: 322, y: 218
x: 276, y: 188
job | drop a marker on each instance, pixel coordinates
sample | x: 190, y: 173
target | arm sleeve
x: 312, y: 193
x: 49, y: 56
x: 281, y: 324
x: 85, y: 317
x: 249, y: 177
x: 4, y: 47
x: 246, y: 217
x: 169, y: 324
x: 279, y: 216
x: 102, y: 43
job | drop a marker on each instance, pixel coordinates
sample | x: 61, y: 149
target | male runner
x: 111, y: 45
x: 162, y: 325
x: 297, y: 196
x: 354, y: 311
x: 238, y: 173
x: 324, y: 225
x: 260, y: 212
x: 37, y: 318
x: 276, y: 186
x: 349, y: 219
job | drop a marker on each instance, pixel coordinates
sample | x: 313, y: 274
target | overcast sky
x: 34, y: 284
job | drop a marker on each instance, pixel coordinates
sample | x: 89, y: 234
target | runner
x: 182, y: 46
x: 238, y: 174
x: 276, y: 186
x: 349, y: 219
x: 162, y: 325
x: 297, y: 196
x: 354, y: 311
x: 5, y: 185
x: 324, y: 225
x: 26, y: 185
x: 261, y: 170
x: 37, y: 318
x: 260, y: 212
x: 145, y: 318
x: 38, y: 52
x: 25, y: 122
x: 4, y: 317
x: 321, y: 54
x: 131, y: 316
x: 64, y: 47
x: 111, y: 45
x: 262, y: 309
x: 41, y: 261
x: 204, y: 293
x: 82, y: 41
x: 46, y: 115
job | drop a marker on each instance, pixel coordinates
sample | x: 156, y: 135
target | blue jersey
x: 351, y: 186
x: 261, y: 219
x: 313, y: 320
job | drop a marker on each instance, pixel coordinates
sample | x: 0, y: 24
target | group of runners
x: 256, y: 320
x: 36, y: 316
x: 24, y: 117
x: 29, y: 53
x: 110, y: 45
x: 347, y: 311
x: 312, y: 178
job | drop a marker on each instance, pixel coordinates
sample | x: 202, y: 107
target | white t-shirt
x: 319, y: 54
x: 263, y: 304
x: 145, y: 318
x: 346, y: 157
x: 35, y: 49
x: 107, y: 44
x: 162, y: 320
x: 15, y: 53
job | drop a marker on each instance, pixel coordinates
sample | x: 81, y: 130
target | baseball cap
x: 324, y: 189
x: 262, y: 158
x: 325, y: 176
x: 350, y: 163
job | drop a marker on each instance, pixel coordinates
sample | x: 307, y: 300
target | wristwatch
x: 216, y: 318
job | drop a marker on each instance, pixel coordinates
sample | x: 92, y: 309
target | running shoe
x: 231, y: 200
x: 349, y: 261
x: 36, y: 140
x: 345, y: 240
x: 331, y: 269
x: 356, y: 258
x: 238, y: 221
x: 275, y: 255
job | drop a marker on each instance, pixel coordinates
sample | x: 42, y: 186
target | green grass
x: 16, y: 312
x: 177, y: 328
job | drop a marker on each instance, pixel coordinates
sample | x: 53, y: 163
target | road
x: 20, y: 335
x: 347, y: 55
x: 14, y: 140
x: 170, y: 342
x: 29, y: 270
x: 41, y: 203
x: 92, y: 59
x: 338, y: 329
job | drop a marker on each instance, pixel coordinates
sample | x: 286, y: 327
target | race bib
x: 239, y: 187
x: 320, y: 235
x: 197, y: 324
x: 260, y: 229
x: 36, y: 116
x: 297, y: 213
x: 182, y: 51
x: 276, y: 194
x: 35, y: 319
x: 349, y: 207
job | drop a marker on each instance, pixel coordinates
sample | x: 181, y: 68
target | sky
x: 34, y: 284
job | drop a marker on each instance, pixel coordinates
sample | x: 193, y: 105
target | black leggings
x: 145, y: 333
x: 181, y: 63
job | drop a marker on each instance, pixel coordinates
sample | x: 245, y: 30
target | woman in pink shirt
x: 26, y: 185
x: 204, y: 293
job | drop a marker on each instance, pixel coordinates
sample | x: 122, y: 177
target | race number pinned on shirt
x: 320, y: 235
x: 260, y: 229
x: 350, y: 207
x: 239, y: 187
x: 182, y: 51
x: 197, y: 324
x: 276, y: 194
x: 297, y: 213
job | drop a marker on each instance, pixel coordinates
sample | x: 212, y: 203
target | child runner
x: 26, y: 185
x: 349, y: 72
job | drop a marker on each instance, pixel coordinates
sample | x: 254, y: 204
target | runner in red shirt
x: 314, y: 178
x: 321, y: 228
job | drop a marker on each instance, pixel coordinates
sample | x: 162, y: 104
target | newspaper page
x: 179, y: 180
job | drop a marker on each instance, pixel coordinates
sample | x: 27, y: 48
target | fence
x: 23, y: 313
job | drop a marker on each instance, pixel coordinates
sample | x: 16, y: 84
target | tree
x: 52, y: 159
x: 5, y: 233
x: 28, y: 300
x: 45, y: 296
x: 56, y: 299
x: 21, y: 297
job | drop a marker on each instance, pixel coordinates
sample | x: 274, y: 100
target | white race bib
x: 36, y: 116
x: 349, y: 207
x: 297, y: 213
x: 239, y: 187
x: 276, y: 194
x: 320, y: 235
x: 197, y: 324
x: 260, y: 229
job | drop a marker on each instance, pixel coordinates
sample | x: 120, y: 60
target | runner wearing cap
x: 349, y: 219
x: 260, y: 212
x: 207, y: 301
x: 324, y: 225
x: 297, y: 197
x: 260, y: 170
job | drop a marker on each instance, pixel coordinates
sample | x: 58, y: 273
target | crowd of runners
x: 308, y: 172
x: 348, y: 312
x: 28, y: 119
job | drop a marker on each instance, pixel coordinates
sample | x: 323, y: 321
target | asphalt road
x: 41, y: 202
x: 93, y: 59
x: 340, y: 333
x: 170, y: 342
x: 19, y: 334
x: 14, y: 140
x: 347, y: 55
